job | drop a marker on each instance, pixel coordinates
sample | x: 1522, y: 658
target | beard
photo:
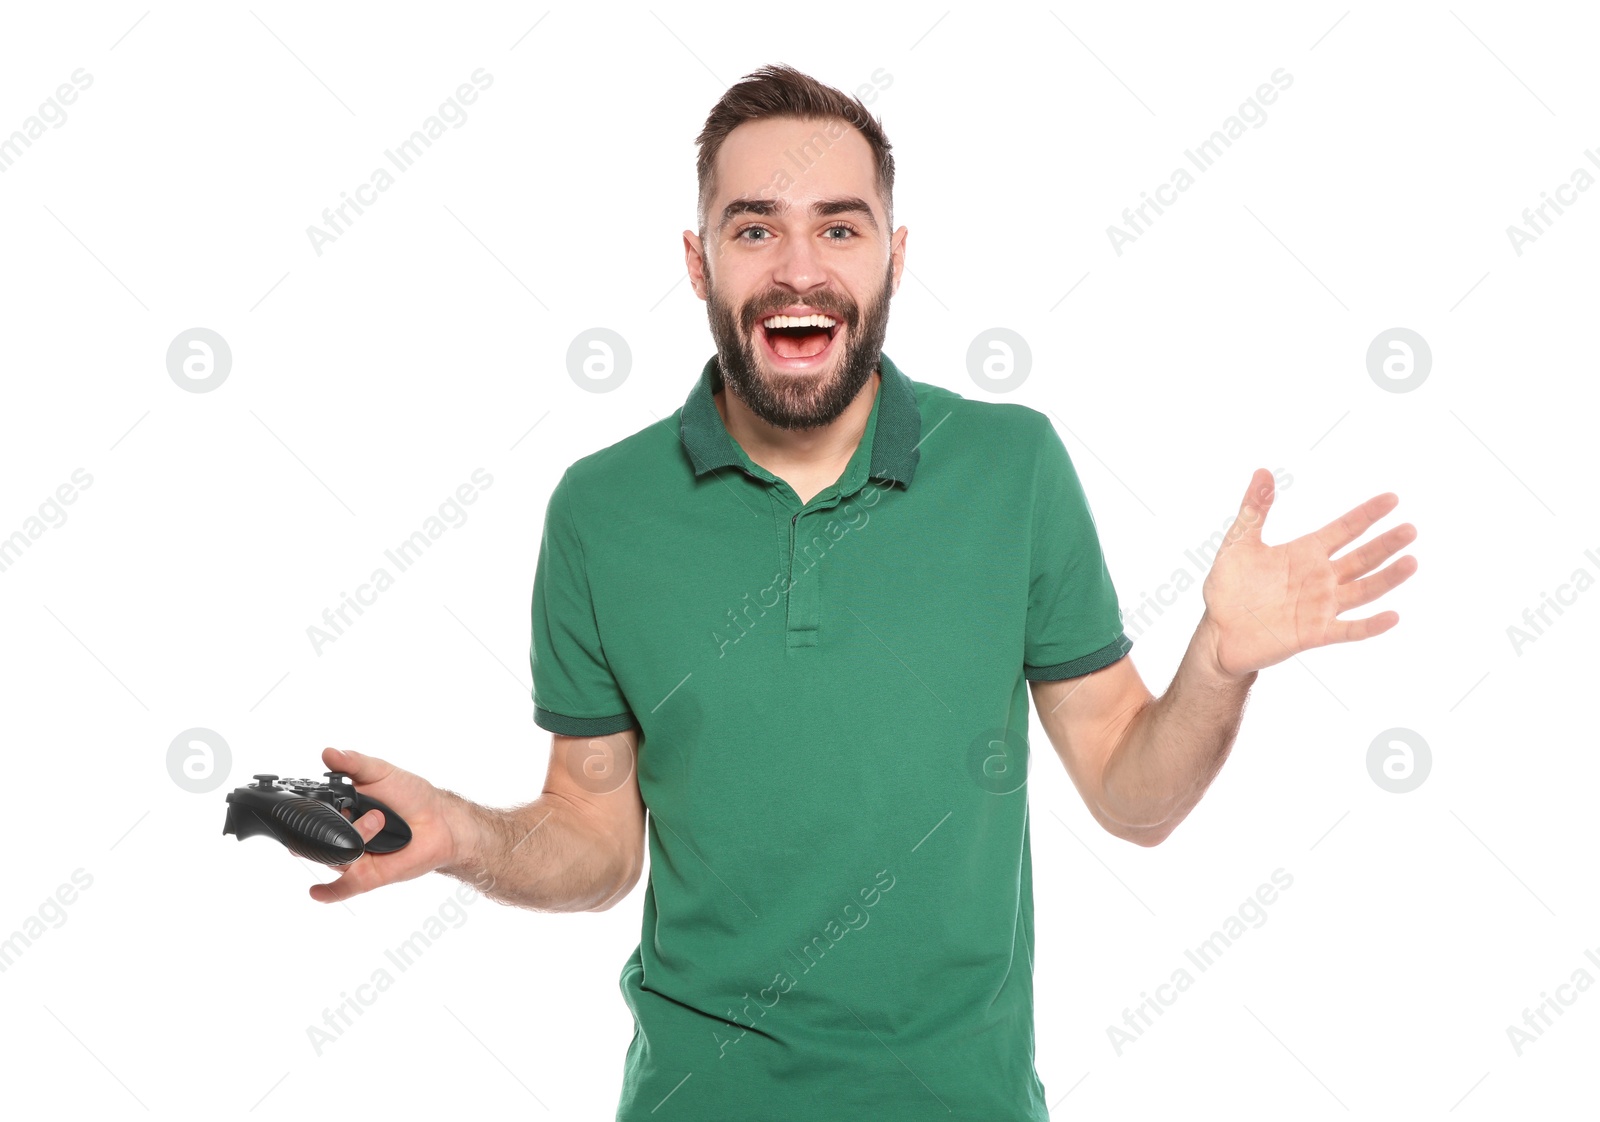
x: 798, y: 401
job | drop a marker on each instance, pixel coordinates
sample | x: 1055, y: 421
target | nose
x: 799, y: 265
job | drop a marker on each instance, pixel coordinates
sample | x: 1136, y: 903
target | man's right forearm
x: 542, y: 856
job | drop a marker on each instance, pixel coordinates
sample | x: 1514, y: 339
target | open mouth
x: 798, y: 342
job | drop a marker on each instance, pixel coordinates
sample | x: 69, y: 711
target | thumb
x: 361, y: 769
x: 1253, y: 510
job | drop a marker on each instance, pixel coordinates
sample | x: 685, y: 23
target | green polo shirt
x: 838, y: 921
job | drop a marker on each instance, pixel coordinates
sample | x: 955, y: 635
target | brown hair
x: 782, y: 91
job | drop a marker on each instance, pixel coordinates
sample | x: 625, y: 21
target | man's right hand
x: 424, y: 807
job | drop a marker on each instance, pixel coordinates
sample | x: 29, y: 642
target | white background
x: 368, y: 382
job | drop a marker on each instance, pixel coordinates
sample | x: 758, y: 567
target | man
x: 794, y: 621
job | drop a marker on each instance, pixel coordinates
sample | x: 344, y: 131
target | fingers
x: 1368, y: 589
x: 1353, y: 630
x: 357, y: 878
x: 361, y: 769
x: 360, y: 876
x: 1374, y: 553
x: 369, y: 871
x: 369, y: 825
x: 1353, y: 523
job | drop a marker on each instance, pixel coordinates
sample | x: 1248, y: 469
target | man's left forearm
x: 1175, y: 745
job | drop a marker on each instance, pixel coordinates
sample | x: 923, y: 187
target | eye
x: 846, y: 227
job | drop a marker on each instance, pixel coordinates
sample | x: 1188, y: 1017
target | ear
x: 694, y: 260
x: 897, y: 257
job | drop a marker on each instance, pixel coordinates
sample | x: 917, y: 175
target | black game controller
x: 305, y: 815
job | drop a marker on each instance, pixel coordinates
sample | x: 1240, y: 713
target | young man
x: 794, y: 621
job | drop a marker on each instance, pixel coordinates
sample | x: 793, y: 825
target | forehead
x: 795, y: 159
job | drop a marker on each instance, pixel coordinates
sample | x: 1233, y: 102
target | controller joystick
x: 308, y: 817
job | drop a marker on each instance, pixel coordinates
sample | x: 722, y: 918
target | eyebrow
x: 823, y: 208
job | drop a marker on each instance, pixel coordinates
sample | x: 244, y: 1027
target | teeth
x: 798, y: 321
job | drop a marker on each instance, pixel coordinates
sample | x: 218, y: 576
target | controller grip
x: 303, y: 826
x: 395, y: 833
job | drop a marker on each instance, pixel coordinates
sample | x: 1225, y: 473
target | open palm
x: 1267, y: 603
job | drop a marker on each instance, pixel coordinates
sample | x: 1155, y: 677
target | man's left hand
x: 1267, y: 603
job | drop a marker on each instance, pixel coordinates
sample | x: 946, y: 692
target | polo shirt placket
x: 893, y: 458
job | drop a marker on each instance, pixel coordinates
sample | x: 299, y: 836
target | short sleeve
x: 574, y: 691
x: 1074, y: 624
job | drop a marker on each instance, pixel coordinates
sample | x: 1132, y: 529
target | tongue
x: 807, y: 346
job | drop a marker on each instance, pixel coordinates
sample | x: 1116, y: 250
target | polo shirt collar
x: 894, y: 444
